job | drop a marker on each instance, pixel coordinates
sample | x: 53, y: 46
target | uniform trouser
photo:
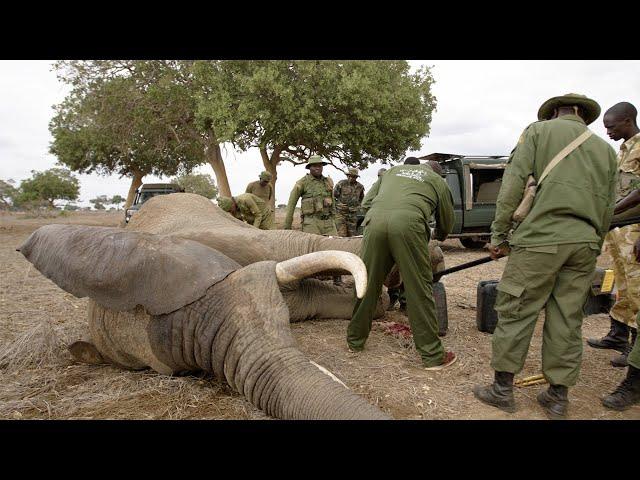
x: 634, y: 355
x: 619, y: 243
x: 268, y: 221
x: 403, y: 240
x: 557, y: 277
x: 347, y: 224
x: 319, y: 226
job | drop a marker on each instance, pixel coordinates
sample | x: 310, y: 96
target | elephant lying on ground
x: 176, y: 305
x: 196, y: 218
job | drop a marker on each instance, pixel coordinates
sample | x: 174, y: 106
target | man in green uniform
x: 620, y: 122
x: 250, y: 208
x: 396, y: 231
x: 262, y: 188
x: 317, y: 206
x: 373, y: 191
x: 553, y: 250
x: 348, y: 194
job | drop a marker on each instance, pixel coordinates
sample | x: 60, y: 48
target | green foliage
x: 45, y: 187
x: 71, y: 207
x: 8, y: 194
x: 117, y: 200
x: 127, y: 118
x: 202, y: 184
x: 99, y: 202
x: 355, y: 112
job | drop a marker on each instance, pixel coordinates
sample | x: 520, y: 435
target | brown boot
x: 499, y: 394
x: 555, y: 401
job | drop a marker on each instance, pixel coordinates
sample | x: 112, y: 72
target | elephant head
x: 196, y: 218
x: 176, y: 305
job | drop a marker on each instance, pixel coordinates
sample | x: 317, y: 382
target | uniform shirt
x: 348, y: 196
x: 418, y: 191
x: 316, y: 191
x: 629, y: 167
x: 574, y: 203
x: 371, y: 194
x: 252, y: 208
x: 265, y: 193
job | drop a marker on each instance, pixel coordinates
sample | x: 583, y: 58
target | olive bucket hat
x: 353, y: 172
x: 315, y: 160
x: 591, y: 107
x: 266, y: 176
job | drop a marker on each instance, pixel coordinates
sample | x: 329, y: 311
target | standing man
x: 396, y: 231
x: 250, y: 208
x: 553, y: 250
x: 620, y: 122
x: 262, y: 188
x: 348, y: 194
x: 317, y: 206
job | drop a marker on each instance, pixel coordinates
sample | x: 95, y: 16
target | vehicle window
x: 144, y: 196
x: 486, y: 185
x: 454, y: 186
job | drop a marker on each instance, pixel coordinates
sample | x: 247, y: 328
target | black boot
x: 616, y: 339
x: 620, y: 361
x: 555, y: 401
x: 393, y: 298
x: 627, y: 393
x: 499, y: 394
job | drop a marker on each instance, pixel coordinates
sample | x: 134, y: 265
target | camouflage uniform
x: 251, y: 209
x: 348, y: 197
x: 317, y: 205
x: 619, y: 242
x: 266, y: 192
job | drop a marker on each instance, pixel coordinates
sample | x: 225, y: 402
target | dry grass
x: 38, y: 378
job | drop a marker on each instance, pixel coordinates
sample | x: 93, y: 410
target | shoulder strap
x: 564, y: 152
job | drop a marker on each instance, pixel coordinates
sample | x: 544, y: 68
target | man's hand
x: 499, y: 251
x: 636, y: 250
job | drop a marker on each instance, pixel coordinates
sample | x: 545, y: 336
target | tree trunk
x: 135, y: 183
x: 271, y: 165
x: 214, y: 158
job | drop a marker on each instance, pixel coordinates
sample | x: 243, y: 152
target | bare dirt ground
x: 38, y: 378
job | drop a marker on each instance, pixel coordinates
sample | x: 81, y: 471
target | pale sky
x: 483, y: 106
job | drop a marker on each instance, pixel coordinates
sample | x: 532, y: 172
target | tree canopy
x: 201, y: 184
x: 48, y: 186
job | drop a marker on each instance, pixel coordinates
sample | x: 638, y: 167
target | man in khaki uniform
x: 317, y: 206
x: 249, y: 208
x: 348, y: 194
x: 620, y: 122
x: 262, y: 188
x: 553, y: 250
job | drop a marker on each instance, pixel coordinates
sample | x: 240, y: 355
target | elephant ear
x: 121, y: 269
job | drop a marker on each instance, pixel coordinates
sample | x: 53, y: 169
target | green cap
x: 265, y: 176
x: 315, y: 160
x: 225, y: 203
x: 591, y: 107
x: 354, y: 172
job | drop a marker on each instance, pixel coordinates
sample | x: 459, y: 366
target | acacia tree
x: 116, y: 200
x: 132, y: 118
x: 48, y: 186
x: 7, y: 193
x: 350, y: 112
x: 201, y: 184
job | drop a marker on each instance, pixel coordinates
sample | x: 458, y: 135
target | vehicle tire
x: 468, y: 242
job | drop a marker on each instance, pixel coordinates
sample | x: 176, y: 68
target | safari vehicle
x: 148, y: 190
x: 474, y: 182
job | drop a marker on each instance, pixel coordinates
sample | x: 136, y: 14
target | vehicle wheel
x: 468, y: 242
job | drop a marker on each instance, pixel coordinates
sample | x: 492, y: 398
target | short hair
x: 411, y: 161
x: 623, y: 110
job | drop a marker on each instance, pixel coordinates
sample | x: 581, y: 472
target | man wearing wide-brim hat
x: 348, y: 194
x: 552, y: 250
x: 317, y: 205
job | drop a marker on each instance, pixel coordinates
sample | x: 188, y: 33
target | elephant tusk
x: 307, y: 265
x: 327, y: 372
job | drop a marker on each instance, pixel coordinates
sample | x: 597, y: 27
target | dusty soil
x: 39, y: 379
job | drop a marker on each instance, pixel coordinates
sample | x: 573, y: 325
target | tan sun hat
x: 314, y: 160
x: 591, y: 107
x: 353, y: 171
